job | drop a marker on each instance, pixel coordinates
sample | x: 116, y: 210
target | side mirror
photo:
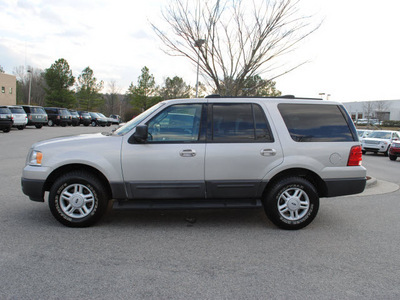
x: 141, y: 134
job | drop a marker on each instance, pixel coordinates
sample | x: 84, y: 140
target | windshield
x: 135, y: 121
x: 381, y: 135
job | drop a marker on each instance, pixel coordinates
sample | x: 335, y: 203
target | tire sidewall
x: 100, y: 202
x: 272, y: 199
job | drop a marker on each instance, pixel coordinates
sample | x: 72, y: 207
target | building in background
x: 382, y: 110
x: 8, y: 89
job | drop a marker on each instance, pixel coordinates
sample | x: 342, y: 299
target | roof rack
x: 252, y: 97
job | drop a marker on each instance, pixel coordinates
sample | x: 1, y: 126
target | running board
x: 185, y: 204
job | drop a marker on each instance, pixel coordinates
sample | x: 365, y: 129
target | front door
x: 170, y: 165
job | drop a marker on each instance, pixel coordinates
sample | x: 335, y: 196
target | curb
x: 371, y: 182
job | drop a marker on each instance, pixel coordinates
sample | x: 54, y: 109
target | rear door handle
x: 187, y: 153
x: 268, y: 152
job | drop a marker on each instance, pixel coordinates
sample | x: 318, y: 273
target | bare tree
x: 382, y: 110
x: 234, y: 39
x: 369, y: 110
x: 113, y: 105
x: 38, y: 93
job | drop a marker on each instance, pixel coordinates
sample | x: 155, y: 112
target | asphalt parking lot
x: 350, y: 251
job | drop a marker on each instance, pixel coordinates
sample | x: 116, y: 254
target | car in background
x: 109, y: 122
x: 363, y: 133
x: 20, y: 117
x: 115, y: 119
x: 97, y: 120
x: 379, y: 141
x: 6, y: 119
x: 37, y: 116
x: 394, y: 150
x: 58, y: 116
x: 84, y: 118
x: 75, y: 121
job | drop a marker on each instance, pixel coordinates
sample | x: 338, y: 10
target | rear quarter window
x: 316, y: 123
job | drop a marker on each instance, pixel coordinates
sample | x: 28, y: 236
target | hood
x: 82, y: 139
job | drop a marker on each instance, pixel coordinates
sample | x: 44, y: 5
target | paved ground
x: 350, y: 251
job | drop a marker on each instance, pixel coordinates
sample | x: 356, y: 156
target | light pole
x: 30, y: 86
x: 198, y: 44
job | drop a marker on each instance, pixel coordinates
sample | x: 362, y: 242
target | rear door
x: 241, y: 150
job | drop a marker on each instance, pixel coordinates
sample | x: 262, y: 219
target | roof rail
x: 276, y: 97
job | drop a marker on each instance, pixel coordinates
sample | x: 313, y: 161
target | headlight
x: 36, y: 158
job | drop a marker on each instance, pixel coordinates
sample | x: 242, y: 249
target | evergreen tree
x: 144, y: 94
x: 88, y: 90
x: 59, y: 80
x: 175, y: 88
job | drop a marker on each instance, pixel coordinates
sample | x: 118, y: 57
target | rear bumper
x: 341, y: 187
x: 33, y: 188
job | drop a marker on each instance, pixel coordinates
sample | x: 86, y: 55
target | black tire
x: 67, y: 199
x: 94, y: 124
x: 6, y: 129
x: 387, y: 152
x: 38, y: 126
x: 363, y: 151
x: 296, y: 214
x: 392, y: 157
x: 21, y: 127
x: 50, y: 123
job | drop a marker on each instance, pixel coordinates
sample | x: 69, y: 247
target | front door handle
x: 187, y: 153
x: 268, y: 152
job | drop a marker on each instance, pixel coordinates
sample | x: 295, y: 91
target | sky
x: 353, y: 56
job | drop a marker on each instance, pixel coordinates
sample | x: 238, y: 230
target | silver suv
x: 279, y: 153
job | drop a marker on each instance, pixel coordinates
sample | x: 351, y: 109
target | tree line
x: 56, y: 86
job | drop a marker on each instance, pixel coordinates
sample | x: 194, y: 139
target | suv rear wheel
x: 291, y: 203
x: 77, y: 199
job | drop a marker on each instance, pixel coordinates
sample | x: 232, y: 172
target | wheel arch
x: 74, y: 167
x: 311, y: 176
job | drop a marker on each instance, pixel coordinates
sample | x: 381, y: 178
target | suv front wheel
x: 291, y: 203
x: 78, y: 199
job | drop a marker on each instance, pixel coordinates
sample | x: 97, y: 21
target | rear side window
x: 316, y: 123
x: 241, y: 122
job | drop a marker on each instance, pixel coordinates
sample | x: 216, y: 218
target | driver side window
x: 177, y: 123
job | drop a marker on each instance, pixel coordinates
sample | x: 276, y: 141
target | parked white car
x: 20, y: 117
x: 379, y: 141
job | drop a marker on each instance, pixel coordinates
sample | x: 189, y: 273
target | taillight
x: 355, y: 157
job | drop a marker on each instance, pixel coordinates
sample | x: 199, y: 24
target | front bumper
x: 33, y: 188
x: 394, y: 151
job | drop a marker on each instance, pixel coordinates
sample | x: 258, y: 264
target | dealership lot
x: 349, y: 251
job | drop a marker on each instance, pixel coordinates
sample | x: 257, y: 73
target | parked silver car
x: 279, y: 153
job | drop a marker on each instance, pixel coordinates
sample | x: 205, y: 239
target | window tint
x: 315, y: 123
x: 4, y: 110
x: 239, y: 123
x: 17, y: 110
x: 37, y: 110
x: 177, y: 123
